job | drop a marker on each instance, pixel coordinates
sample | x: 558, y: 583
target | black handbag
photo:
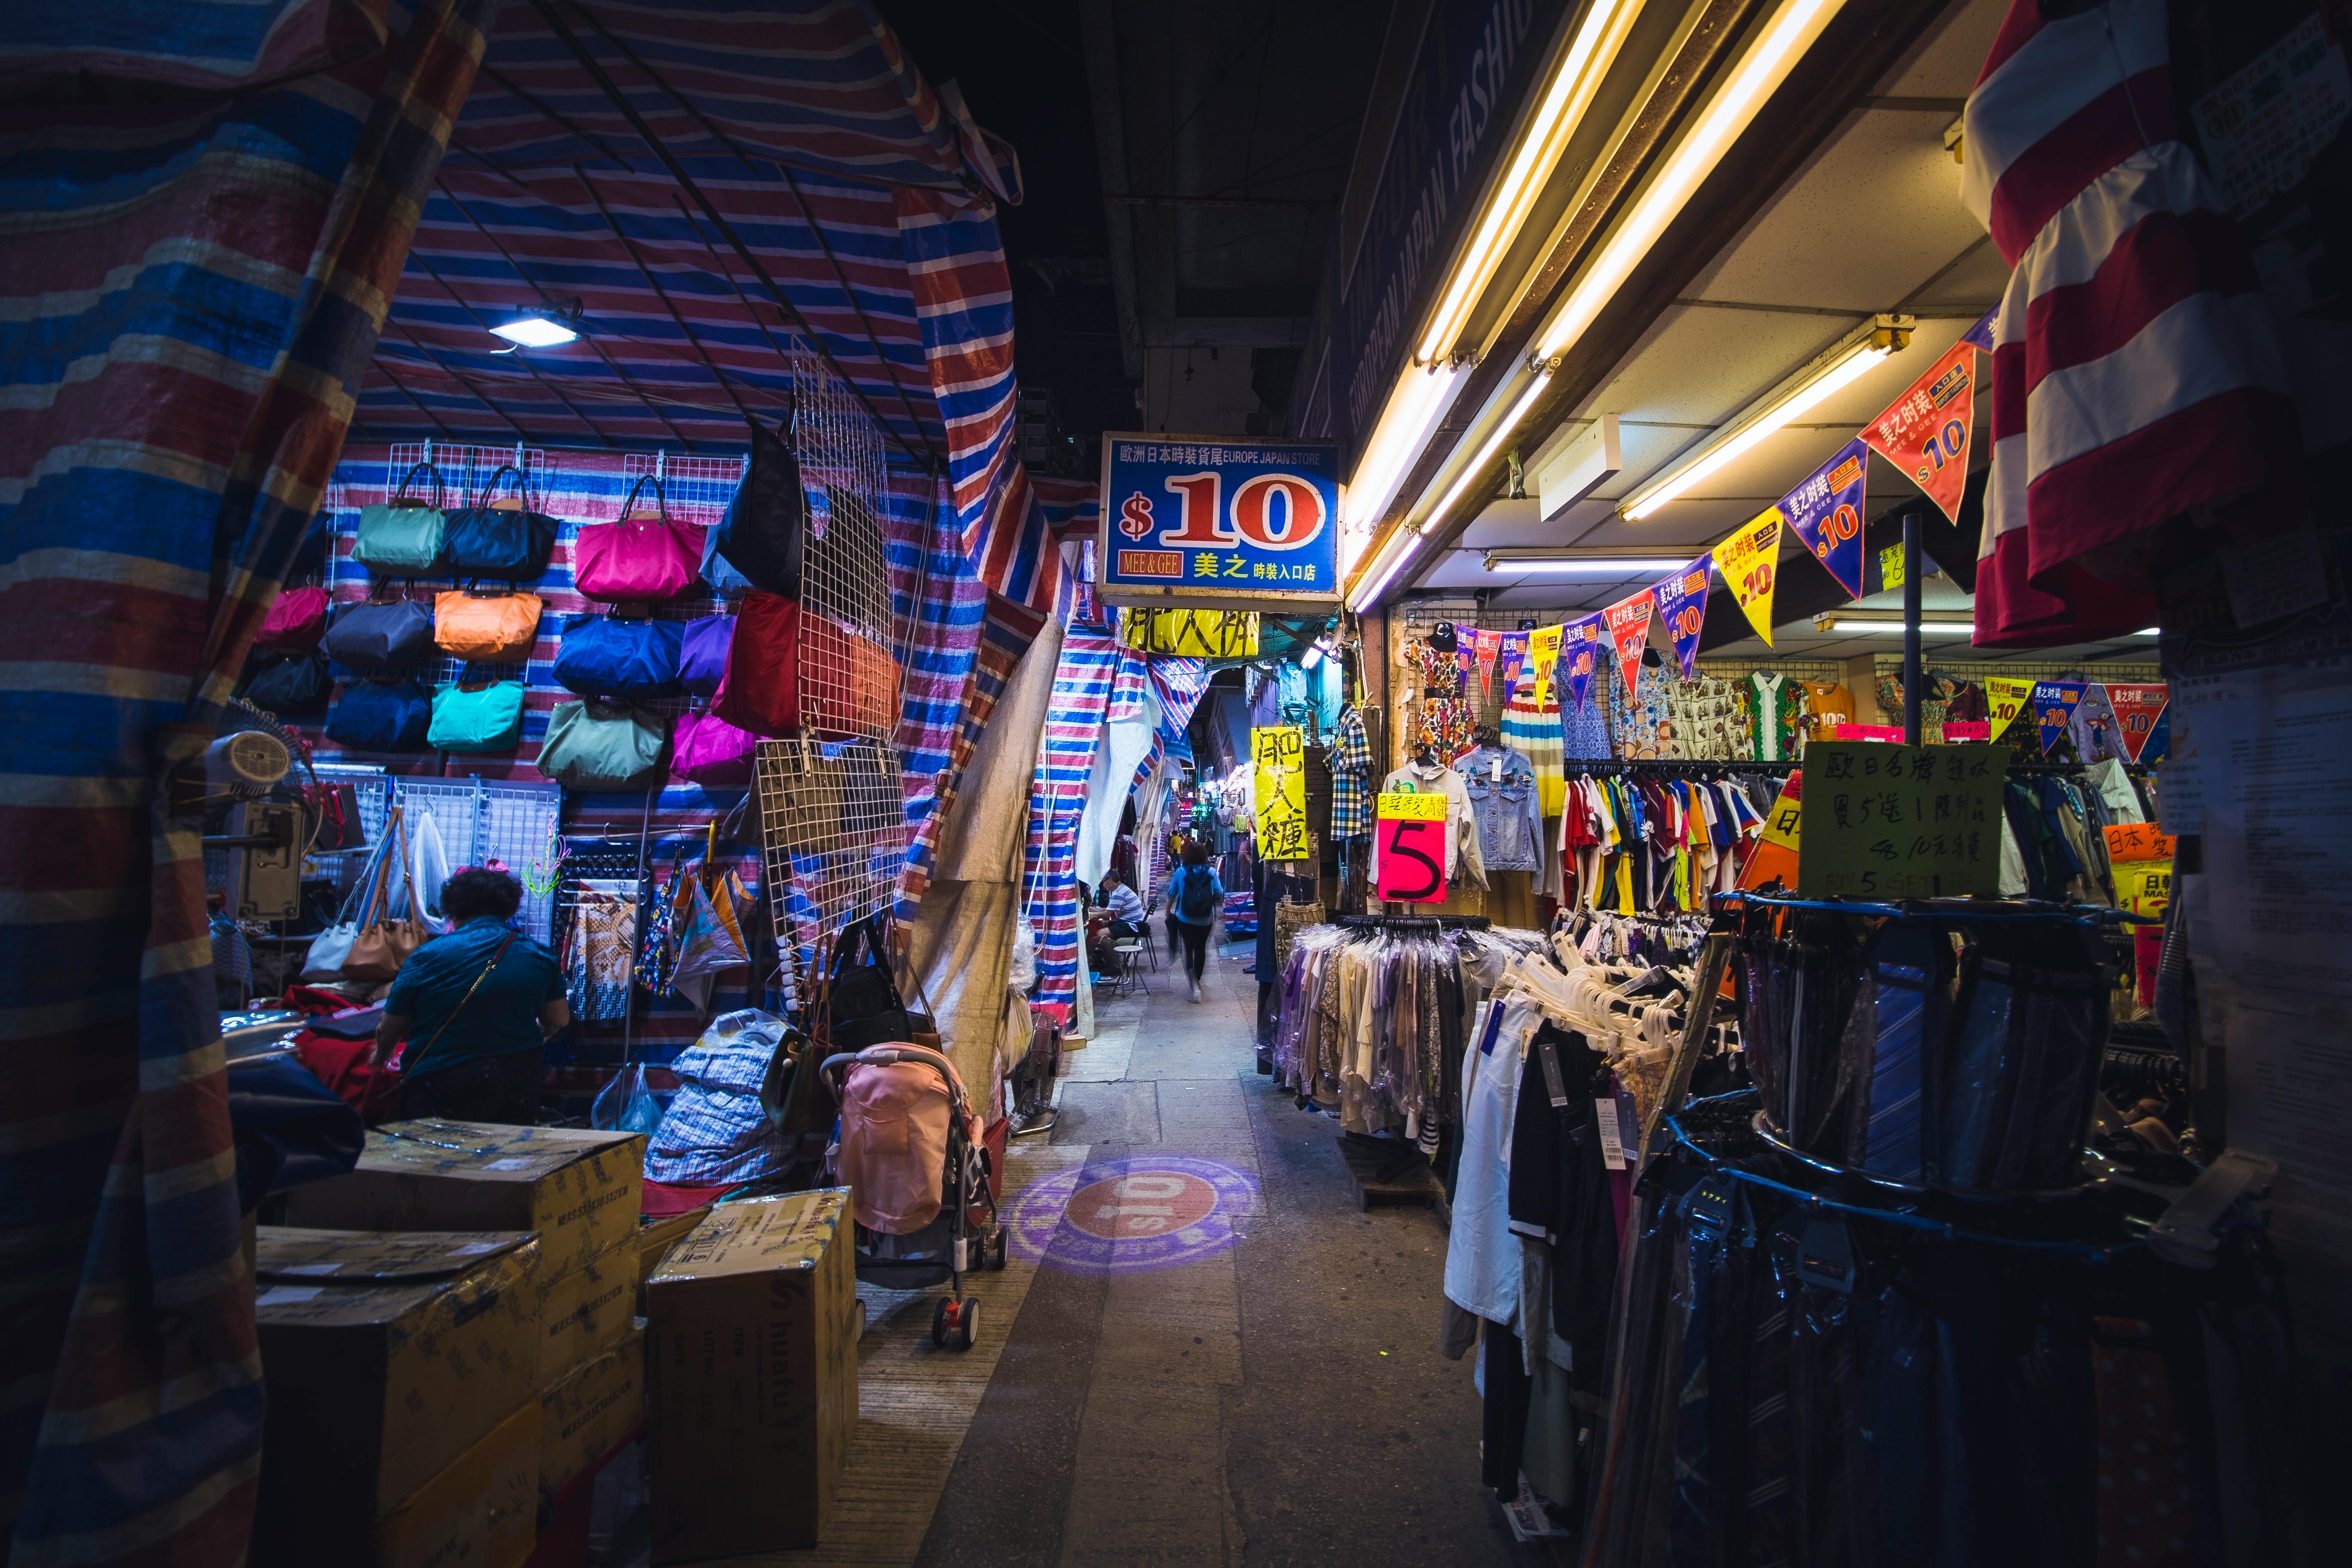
x: 291, y: 685
x: 862, y: 1003
x: 381, y: 634
x: 764, y: 535
x: 512, y: 544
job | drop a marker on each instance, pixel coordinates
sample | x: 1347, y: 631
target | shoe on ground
x: 1196, y: 991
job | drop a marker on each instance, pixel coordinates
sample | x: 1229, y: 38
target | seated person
x: 1127, y: 915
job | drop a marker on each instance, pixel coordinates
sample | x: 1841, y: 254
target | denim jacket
x: 1509, y: 811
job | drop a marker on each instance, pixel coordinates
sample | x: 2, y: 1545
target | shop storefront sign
x: 1747, y: 561
x: 1826, y: 510
x: 1278, y: 752
x: 1924, y: 432
x: 1682, y: 610
x: 1410, y: 832
x: 1224, y: 522
x: 1901, y: 822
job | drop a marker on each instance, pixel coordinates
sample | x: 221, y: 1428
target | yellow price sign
x: 1748, y: 560
x: 1398, y: 805
x: 1279, y: 752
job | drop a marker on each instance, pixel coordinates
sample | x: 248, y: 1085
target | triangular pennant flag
x: 1629, y: 629
x: 1979, y: 337
x: 1512, y: 660
x: 1489, y: 643
x: 2054, y: 704
x: 1826, y: 511
x: 1747, y: 561
x: 1682, y: 608
x: 2137, y: 709
x: 1924, y: 432
x: 1581, y: 652
x: 1543, y: 655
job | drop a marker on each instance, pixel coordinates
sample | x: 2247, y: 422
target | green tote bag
x: 487, y: 719
x: 603, y: 746
x: 401, y: 538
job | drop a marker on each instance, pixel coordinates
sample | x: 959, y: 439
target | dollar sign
x: 1135, y: 515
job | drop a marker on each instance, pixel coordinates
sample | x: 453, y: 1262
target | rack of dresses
x: 1660, y: 835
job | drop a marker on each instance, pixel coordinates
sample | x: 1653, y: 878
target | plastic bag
x: 1024, y: 974
x: 626, y: 1104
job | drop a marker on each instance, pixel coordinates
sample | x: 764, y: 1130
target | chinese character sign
x: 1924, y: 432
x: 1409, y: 841
x: 1826, y: 510
x: 1543, y: 654
x: 2137, y: 709
x: 1682, y: 610
x: 1901, y: 822
x: 1227, y: 521
x: 1747, y: 561
x: 1629, y: 632
x: 1278, y: 752
x: 2054, y: 705
x: 1581, y: 653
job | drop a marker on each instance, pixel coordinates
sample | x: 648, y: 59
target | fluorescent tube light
x: 1785, y: 40
x: 1316, y: 653
x: 1853, y: 357
x: 1485, y: 454
x: 1606, y: 566
x: 1405, y: 544
x: 1571, y: 93
x: 541, y: 327
x: 1413, y: 411
x: 1867, y: 624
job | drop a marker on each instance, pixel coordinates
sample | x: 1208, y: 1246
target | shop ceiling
x: 1839, y: 203
x: 710, y: 186
x: 1226, y: 130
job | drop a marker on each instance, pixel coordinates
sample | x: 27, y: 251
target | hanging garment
x: 1532, y: 728
x: 707, y: 945
x: 1503, y: 801
x: 1352, y: 777
x: 1828, y: 706
x: 598, y: 955
x: 1464, y: 860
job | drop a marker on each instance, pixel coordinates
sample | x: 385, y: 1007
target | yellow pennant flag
x: 1747, y: 561
x: 1543, y: 654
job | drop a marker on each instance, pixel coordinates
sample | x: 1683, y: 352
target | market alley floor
x: 1219, y: 1357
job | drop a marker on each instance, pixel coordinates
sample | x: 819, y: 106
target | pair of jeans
x: 1196, y: 948
x: 502, y: 1090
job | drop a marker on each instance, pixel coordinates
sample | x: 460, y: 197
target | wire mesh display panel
x: 467, y: 471
x: 832, y: 833
x: 477, y: 820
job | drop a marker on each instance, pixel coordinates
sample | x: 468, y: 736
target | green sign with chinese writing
x: 1900, y: 822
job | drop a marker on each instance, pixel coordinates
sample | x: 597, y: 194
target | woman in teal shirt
x: 475, y: 1006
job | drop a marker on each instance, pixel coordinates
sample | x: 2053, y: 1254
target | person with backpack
x: 1194, y: 896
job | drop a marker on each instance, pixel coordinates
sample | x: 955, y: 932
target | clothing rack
x: 1947, y: 910
x: 1415, y: 923
x: 1670, y: 767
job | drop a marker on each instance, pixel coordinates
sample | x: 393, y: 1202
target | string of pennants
x: 1924, y: 432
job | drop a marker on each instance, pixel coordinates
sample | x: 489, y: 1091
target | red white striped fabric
x: 2137, y: 373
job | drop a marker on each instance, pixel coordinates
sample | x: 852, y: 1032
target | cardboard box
x: 585, y: 1312
x: 751, y: 1365
x: 579, y: 1190
x: 483, y: 1510
x: 386, y: 1357
x: 655, y: 1241
x: 586, y: 1415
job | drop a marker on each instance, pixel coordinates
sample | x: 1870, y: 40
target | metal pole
x: 1913, y: 677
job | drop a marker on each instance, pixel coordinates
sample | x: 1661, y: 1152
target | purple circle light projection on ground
x: 1149, y: 1211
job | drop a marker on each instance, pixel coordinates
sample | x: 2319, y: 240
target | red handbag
x: 790, y: 670
x: 350, y: 1069
x: 297, y: 619
x: 639, y: 557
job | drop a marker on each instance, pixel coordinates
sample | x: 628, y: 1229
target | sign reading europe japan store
x: 1229, y: 523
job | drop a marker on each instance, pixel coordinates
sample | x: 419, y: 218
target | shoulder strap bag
x: 764, y: 535
x: 500, y: 539
x: 402, y: 537
x: 639, y: 557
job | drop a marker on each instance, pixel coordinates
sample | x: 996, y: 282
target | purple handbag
x: 642, y: 556
x: 704, y: 659
x: 707, y: 750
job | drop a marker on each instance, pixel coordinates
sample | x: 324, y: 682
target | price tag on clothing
x: 1554, y: 1084
x: 1612, y: 1134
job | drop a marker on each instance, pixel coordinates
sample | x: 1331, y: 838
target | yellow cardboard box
x: 579, y: 1189
x: 587, y: 1414
x: 752, y: 1367
x: 585, y: 1312
x: 482, y: 1512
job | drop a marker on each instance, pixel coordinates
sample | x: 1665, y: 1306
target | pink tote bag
x: 639, y: 557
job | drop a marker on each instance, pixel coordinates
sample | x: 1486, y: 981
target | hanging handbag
x: 382, y: 716
x: 385, y: 634
x: 501, y: 539
x: 702, y: 655
x: 297, y: 619
x: 487, y: 719
x: 863, y: 1006
x: 336, y: 807
x: 502, y: 629
x: 788, y: 670
x: 602, y: 746
x: 403, y: 538
x: 707, y: 750
x: 642, y: 556
x: 764, y: 535
x: 384, y: 944
x: 291, y: 685
x: 604, y: 658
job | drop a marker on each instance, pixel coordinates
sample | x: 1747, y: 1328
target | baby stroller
x: 911, y: 1154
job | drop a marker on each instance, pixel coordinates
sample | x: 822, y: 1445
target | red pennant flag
x: 2138, y: 708
x: 1924, y: 432
x: 1628, y: 629
x: 1489, y: 643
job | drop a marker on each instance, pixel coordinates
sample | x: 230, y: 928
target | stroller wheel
x: 942, y: 1313
x: 954, y: 1324
x: 997, y: 1240
x: 967, y: 1326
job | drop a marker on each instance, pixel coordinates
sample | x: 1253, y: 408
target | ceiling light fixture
x: 1404, y: 544
x: 1485, y: 454
x: 1317, y: 652
x: 1854, y: 356
x: 1785, y: 40
x: 1545, y: 139
x: 1604, y: 566
x: 1413, y: 411
x: 542, y: 326
x: 1867, y: 624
